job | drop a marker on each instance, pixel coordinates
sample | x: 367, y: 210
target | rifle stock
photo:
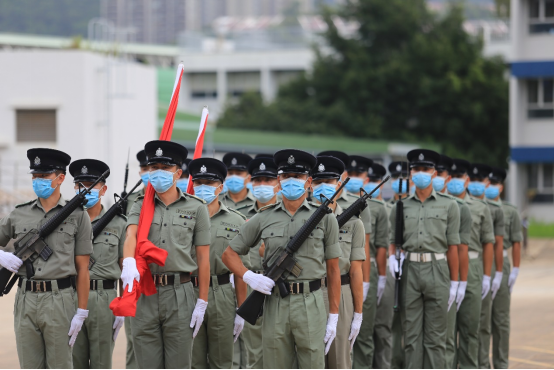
x: 398, y: 242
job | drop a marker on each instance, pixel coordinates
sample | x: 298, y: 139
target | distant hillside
x: 48, y: 17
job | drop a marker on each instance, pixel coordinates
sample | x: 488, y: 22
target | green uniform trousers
x: 424, y: 305
x: 339, y: 353
x: 41, y: 323
x: 162, y: 337
x: 213, y: 344
x: 397, y: 360
x: 130, y: 359
x: 94, y: 346
x: 363, y: 346
x: 248, y: 349
x: 451, y: 337
x: 293, y: 330
x: 382, y: 333
x: 240, y: 356
x: 495, y: 319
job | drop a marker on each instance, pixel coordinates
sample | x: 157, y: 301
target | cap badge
x: 454, y: 167
x: 370, y: 171
x: 321, y: 167
x: 399, y: 167
x: 490, y: 175
x: 421, y: 157
x: 262, y: 167
x: 354, y: 164
x: 203, y: 169
x: 84, y: 170
x: 234, y: 161
x: 475, y: 170
x: 184, y: 167
x: 37, y: 161
x: 291, y: 160
x: 159, y: 152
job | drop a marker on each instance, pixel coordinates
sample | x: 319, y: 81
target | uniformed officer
x: 326, y: 180
x: 479, y: 180
x: 382, y: 337
x: 398, y: 170
x: 166, y: 323
x: 95, y: 344
x: 500, y: 318
x: 183, y: 182
x: 44, y: 310
x: 295, y: 323
x: 430, y: 271
x: 214, y: 343
x: 238, y: 195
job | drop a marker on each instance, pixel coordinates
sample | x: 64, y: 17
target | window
x: 540, y: 182
x: 541, y: 16
x: 240, y: 82
x: 35, y: 125
x: 203, y: 85
x: 540, y: 98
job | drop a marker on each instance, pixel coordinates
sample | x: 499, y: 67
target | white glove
x: 366, y: 289
x: 76, y: 325
x: 381, y: 288
x: 198, y: 315
x: 331, y: 331
x: 129, y: 273
x: 10, y: 261
x: 453, y: 291
x: 232, y: 280
x: 496, y: 283
x: 512, y: 278
x: 117, y: 325
x: 258, y: 282
x: 461, y: 294
x: 486, y: 286
x: 239, y: 325
x: 355, y: 328
x: 393, y: 264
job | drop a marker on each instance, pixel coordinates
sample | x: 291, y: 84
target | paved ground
x: 532, y: 339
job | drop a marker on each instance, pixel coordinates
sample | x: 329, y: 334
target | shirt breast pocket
x: 345, y: 240
x: 21, y: 230
x: 314, y: 244
x: 224, y: 237
x: 65, y: 237
x: 437, y: 219
x: 274, y: 238
x: 106, y: 248
x: 182, y: 229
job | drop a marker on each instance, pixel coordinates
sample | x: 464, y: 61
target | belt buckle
x: 162, y: 279
x: 323, y: 282
x: 291, y: 285
x: 93, y: 284
x: 35, y: 286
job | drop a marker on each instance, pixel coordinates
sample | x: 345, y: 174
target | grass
x: 541, y: 229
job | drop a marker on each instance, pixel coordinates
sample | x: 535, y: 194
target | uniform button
x: 340, y: 238
x: 227, y: 235
x: 421, y: 219
x: 420, y: 247
x: 291, y: 237
x: 292, y: 220
x: 420, y: 232
x: 185, y: 223
x: 106, y: 240
x: 312, y: 234
x: 24, y: 229
x: 40, y: 269
x: 163, y: 241
x: 271, y: 234
x: 166, y: 208
x: 165, y: 224
x: 44, y: 216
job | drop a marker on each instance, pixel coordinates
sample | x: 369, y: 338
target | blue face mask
x: 161, y: 180
x: 438, y: 183
x: 43, y: 187
x: 205, y: 192
x: 234, y: 183
x: 492, y: 192
x: 354, y: 185
x: 421, y: 179
x: 323, y: 189
x: 396, y: 186
x: 183, y: 184
x: 412, y: 189
x: 476, y: 188
x: 92, y: 198
x: 225, y: 188
x: 145, y: 178
x: 263, y: 193
x: 293, y: 188
x: 369, y: 188
x: 456, y: 186
x: 249, y: 186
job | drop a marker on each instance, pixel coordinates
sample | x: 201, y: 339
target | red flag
x: 199, y: 144
x: 146, y: 252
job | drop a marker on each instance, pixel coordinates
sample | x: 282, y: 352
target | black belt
x: 221, y: 279
x: 344, y: 280
x: 46, y: 286
x: 298, y: 288
x: 106, y: 284
x: 169, y: 279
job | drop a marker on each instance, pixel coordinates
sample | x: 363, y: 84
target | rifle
x: 124, y: 192
x: 359, y: 205
x: 285, y: 263
x: 32, y: 245
x: 399, y: 241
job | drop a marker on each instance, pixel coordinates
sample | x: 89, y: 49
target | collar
x: 102, y: 212
x: 433, y: 195
x: 249, y: 195
x: 222, y: 208
x: 61, y: 203
x: 181, y: 196
x: 305, y: 204
x: 495, y: 202
x: 338, y: 210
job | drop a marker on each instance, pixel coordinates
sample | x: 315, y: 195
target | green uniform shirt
x: 512, y: 224
x: 430, y: 226
x: 72, y: 238
x: 497, y: 215
x: 132, y: 198
x: 276, y: 226
x: 108, y: 249
x: 465, y: 221
x: 239, y: 206
x: 347, y: 199
x: 352, y: 242
x: 255, y: 260
x: 481, y: 220
x: 379, y: 226
x: 176, y: 228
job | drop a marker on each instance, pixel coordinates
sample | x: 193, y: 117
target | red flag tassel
x: 199, y: 144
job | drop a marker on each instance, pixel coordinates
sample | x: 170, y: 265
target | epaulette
x: 509, y: 204
x: 237, y: 212
x: 314, y: 204
x: 267, y: 207
x: 140, y: 197
x: 458, y: 200
x: 352, y: 195
x: 122, y: 216
x: 244, y: 206
x: 82, y: 206
x: 377, y: 201
x: 445, y: 195
x: 492, y: 203
x: 195, y: 197
x: 480, y: 200
x: 25, y: 204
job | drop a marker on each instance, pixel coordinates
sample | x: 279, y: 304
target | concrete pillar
x: 221, y: 90
x: 267, y: 83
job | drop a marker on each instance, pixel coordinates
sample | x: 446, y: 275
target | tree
x: 408, y: 75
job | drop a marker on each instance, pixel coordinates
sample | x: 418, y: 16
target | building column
x: 221, y: 90
x: 267, y: 87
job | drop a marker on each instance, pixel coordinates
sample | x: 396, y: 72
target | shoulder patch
x: 445, y: 195
x: 267, y: 207
x: 25, y: 204
x: 458, y: 200
x: 352, y: 195
x: 238, y: 213
x: 140, y: 197
x: 244, y: 206
x: 195, y: 197
x: 317, y: 205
